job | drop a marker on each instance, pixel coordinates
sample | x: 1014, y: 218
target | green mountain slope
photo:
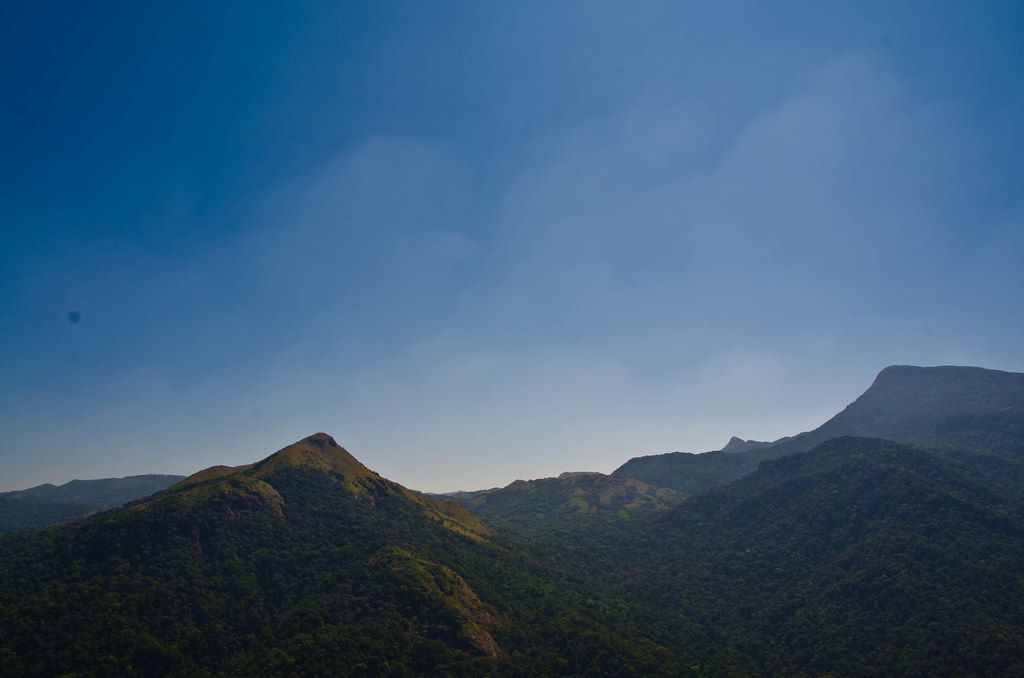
x: 49, y: 504
x: 951, y: 408
x: 567, y: 500
x: 306, y: 562
x: 860, y: 557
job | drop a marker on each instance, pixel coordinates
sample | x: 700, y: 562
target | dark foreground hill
x: 304, y: 563
x: 49, y: 504
x: 956, y: 409
x: 860, y: 557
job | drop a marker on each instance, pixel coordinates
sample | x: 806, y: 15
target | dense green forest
x: 19, y: 514
x: 859, y: 557
x: 305, y: 563
x: 856, y: 556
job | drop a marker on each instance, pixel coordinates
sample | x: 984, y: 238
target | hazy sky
x: 482, y: 241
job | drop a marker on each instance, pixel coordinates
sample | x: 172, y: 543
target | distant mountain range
x: 888, y: 541
x: 48, y: 504
x: 950, y: 408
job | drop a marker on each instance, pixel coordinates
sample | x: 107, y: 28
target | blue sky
x: 483, y: 241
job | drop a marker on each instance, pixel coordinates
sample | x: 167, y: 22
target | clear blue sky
x: 480, y: 241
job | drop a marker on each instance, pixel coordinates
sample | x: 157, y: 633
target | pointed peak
x: 319, y: 451
x: 736, y: 444
x: 321, y: 439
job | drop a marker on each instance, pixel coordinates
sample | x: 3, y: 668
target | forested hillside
x: 860, y: 557
x: 306, y: 562
x: 568, y: 500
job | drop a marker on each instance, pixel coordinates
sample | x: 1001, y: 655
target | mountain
x: 689, y: 473
x: 956, y: 409
x: 934, y: 406
x: 306, y: 562
x: 48, y: 504
x: 739, y: 445
x: 832, y: 555
x: 103, y: 493
x: 859, y: 557
x: 570, y: 498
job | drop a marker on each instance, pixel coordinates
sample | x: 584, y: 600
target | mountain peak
x: 941, y: 373
x: 740, y: 445
x: 319, y: 451
x: 946, y: 389
x: 951, y: 407
x: 940, y: 405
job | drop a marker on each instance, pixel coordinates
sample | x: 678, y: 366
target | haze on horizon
x: 478, y: 242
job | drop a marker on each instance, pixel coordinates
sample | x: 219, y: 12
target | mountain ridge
x: 48, y: 503
x: 569, y: 497
x: 950, y: 407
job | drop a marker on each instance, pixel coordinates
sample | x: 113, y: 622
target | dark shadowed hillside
x: 48, y: 504
x: 951, y: 408
x: 20, y: 514
x: 860, y: 557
